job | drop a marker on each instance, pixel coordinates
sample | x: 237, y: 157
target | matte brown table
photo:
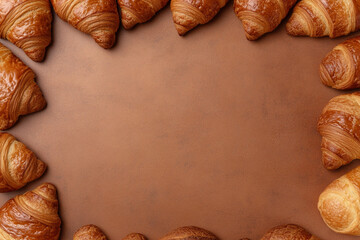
x: 164, y: 131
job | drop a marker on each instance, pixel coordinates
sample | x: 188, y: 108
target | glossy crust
x: 187, y: 14
x: 340, y: 69
x: 27, y: 24
x: 339, y: 125
x: 288, y: 232
x: 18, y: 165
x: 89, y: 232
x: 259, y: 17
x: 134, y: 236
x: 19, y: 94
x: 339, y: 204
x: 190, y: 233
x: 31, y: 216
x: 139, y: 11
x: 99, y: 18
x: 318, y: 18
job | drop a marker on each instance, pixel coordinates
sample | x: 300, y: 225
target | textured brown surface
x: 161, y: 131
x: 89, y: 232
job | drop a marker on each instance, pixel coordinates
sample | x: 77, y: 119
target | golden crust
x: 134, y: 236
x: 288, y: 232
x: 189, y: 233
x: 89, y: 232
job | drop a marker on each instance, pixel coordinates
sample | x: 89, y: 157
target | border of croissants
x: 27, y: 24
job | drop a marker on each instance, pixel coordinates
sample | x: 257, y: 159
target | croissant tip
x: 47, y: 189
x: 295, y: 27
x: 134, y: 236
x: 104, y: 39
x: 90, y: 230
x: 181, y: 29
x: 37, y: 56
x: 325, y: 76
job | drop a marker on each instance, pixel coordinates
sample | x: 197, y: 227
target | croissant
x: 340, y: 69
x: 259, y: 17
x: 339, y: 125
x: 27, y: 24
x: 189, y: 233
x: 318, y: 18
x: 134, y: 236
x: 31, y: 216
x: 100, y: 18
x: 187, y: 14
x: 139, y: 11
x: 288, y: 232
x: 89, y: 232
x: 19, y: 94
x: 339, y: 204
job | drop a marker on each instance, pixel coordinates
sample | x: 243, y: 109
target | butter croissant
x: 340, y: 69
x: 339, y: 204
x: 89, y: 232
x: 100, y: 19
x: 318, y: 18
x: 288, y: 232
x: 187, y: 14
x: 189, y: 233
x: 18, y: 165
x: 27, y: 24
x: 31, y: 216
x: 339, y: 125
x: 19, y: 94
x: 259, y: 17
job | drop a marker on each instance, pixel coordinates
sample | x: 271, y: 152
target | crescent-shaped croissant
x: 31, y: 216
x: 134, y: 236
x: 100, y: 19
x: 340, y: 69
x: 288, y: 232
x: 27, y: 24
x: 259, y: 17
x: 189, y: 233
x: 187, y: 14
x: 339, y: 126
x: 89, y: 232
x: 339, y: 204
x: 18, y: 165
x: 318, y: 18
x: 139, y: 11
x: 19, y: 94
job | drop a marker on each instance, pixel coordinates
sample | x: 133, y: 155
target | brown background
x: 164, y: 131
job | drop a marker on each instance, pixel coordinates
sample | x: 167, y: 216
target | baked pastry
x: 31, y: 216
x: 288, y: 232
x: 134, y: 236
x: 339, y: 204
x: 318, y: 18
x: 187, y: 14
x: 339, y: 125
x: 100, y: 19
x: 89, y: 232
x: 19, y: 94
x: 18, y: 165
x: 259, y: 17
x: 139, y: 11
x: 27, y: 24
x: 340, y: 69
x: 189, y: 233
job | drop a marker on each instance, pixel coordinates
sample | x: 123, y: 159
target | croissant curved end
x: 297, y: 26
x: 47, y: 190
x: 37, y: 56
x: 325, y: 76
x: 89, y: 232
x: 330, y: 160
x: 105, y: 39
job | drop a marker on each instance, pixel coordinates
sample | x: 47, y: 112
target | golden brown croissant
x: 187, y: 14
x: 134, y: 236
x: 340, y: 69
x: 20, y: 95
x: 100, y: 18
x: 18, y: 165
x: 288, y: 232
x: 189, y: 233
x: 139, y: 11
x: 27, y: 24
x: 259, y: 17
x: 339, y: 125
x: 89, y: 232
x: 339, y: 204
x: 31, y: 216
x: 318, y: 18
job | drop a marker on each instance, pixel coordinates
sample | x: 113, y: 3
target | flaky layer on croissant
x: 318, y: 18
x: 20, y: 95
x: 100, y: 18
x: 139, y: 11
x: 134, y: 236
x: 259, y: 17
x: 31, y: 216
x: 340, y: 69
x: 27, y: 24
x: 187, y: 14
x: 339, y: 126
x: 89, y: 232
x: 18, y: 165
x: 288, y: 232
x: 339, y: 204
x: 189, y: 233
